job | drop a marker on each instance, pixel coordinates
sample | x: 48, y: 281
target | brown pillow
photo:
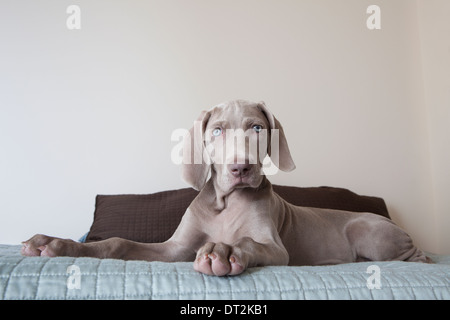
x: 332, y: 198
x: 154, y: 217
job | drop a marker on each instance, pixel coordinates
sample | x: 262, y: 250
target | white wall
x: 91, y: 111
x: 435, y: 28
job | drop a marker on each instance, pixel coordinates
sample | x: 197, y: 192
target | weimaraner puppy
x: 237, y: 221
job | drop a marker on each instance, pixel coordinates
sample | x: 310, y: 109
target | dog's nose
x: 239, y: 170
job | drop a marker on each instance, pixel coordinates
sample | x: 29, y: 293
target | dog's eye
x: 217, y: 132
x: 257, y: 128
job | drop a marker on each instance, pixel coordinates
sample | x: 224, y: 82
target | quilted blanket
x: 89, y: 278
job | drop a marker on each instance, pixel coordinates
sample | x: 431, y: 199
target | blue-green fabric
x: 56, y: 278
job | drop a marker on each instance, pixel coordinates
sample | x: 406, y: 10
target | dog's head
x: 232, y: 139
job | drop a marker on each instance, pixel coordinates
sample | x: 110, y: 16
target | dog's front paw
x: 220, y: 259
x: 42, y: 245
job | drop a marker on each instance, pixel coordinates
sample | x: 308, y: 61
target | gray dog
x: 237, y: 221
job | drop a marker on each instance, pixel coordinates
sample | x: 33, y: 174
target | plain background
x: 91, y: 111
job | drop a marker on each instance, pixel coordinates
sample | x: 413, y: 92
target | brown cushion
x: 142, y: 218
x: 154, y: 217
x: 332, y: 198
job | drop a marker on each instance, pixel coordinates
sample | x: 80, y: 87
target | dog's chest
x: 234, y: 222
x: 242, y: 213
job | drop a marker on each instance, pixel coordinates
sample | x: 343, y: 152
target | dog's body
x: 237, y: 221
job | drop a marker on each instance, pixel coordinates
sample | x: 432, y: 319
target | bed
x: 154, y: 217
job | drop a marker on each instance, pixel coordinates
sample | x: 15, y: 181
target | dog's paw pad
x: 203, y: 264
x: 236, y: 267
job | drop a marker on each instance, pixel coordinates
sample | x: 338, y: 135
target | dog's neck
x: 220, y: 198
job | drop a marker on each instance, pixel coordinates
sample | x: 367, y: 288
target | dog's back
x: 315, y: 236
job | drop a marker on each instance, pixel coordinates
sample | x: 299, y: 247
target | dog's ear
x: 196, y: 162
x: 282, y: 157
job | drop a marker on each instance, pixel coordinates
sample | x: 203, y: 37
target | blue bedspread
x: 89, y: 278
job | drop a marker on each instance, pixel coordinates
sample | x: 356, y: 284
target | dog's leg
x: 378, y: 239
x: 222, y: 259
x: 114, y: 248
x: 182, y: 246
